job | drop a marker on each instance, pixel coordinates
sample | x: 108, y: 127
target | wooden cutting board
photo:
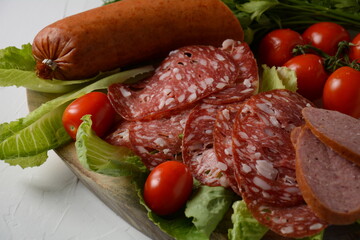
x: 119, y: 195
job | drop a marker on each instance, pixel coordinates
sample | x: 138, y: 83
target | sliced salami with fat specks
x: 185, y: 76
x: 264, y: 157
x: 158, y: 140
x: 198, y: 152
x: 120, y: 136
x: 294, y: 222
x: 223, y: 129
x: 247, y: 81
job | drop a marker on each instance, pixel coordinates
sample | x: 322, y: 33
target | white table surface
x: 47, y: 202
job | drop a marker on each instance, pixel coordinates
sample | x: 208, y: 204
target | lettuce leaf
x: 15, y: 58
x: 8, y: 129
x: 208, y: 206
x: 245, y: 227
x: 99, y: 156
x: 30, y: 161
x: 45, y: 134
x: 278, y: 78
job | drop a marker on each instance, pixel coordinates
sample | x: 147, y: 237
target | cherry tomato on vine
x: 276, y: 47
x: 354, y: 53
x: 326, y: 36
x: 168, y: 187
x: 310, y: 73
x: 95, y: 103
x: 342, y: 91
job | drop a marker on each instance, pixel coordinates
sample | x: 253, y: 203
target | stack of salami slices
x: 201, y: 107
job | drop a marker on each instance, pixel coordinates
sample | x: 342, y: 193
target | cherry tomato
x: 354, y: 53
x: 95, y: 103
x: 168, y: 187
x: 342, y: 91
x: 276, y: 47
x: 310, y: 73
x: 326, y: 36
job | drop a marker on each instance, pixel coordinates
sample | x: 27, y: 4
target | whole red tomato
x: 326, y: 36
x: 354, y: 53
x: 168, y: 187
x: 95, y: 103
x: 342, y: 91
x: 310, y: 73
x: 276, y: 47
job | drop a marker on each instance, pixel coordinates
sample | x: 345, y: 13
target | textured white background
x: 47, y: 202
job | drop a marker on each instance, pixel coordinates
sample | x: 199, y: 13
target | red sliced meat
x: 293, y: 222
x: 185, y: 76
x: 120, y: 136
x: 223, y: 129
x: 198, y: 152
x: 247, y: 81
x: 158, y: 140
x: 264, y: 157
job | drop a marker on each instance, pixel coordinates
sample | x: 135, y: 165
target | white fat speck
x: 228, y: 151
x: 164, y: 75
x: 192, y: 97
x: 220, y: 85
x: 261, y: 183
x: 166, y: 151
x: 265, y: 194
x: 124, y: 92
x: 192, y: 88
x: 243, y: 135
x: 237, y: 56
x: 228, y: 43
x: 257, y: 155
x: 232, y: 68
x: 203, y: 84
x: 292, y: 190
x: 226, y: 78
x: 274, y: 121
x: 316, y: 226
x: 167, y: 91
x: 251, y: 148
x: 289, y: 180
x: 142, y: 149
x: 245, y: 168
x: 278, y: 220
x: 181, y: 98
x: 265, y: 108
x: 203, y: 62
x: 209, y: 81
x: 175, y: 70
x: 189, y: 137
x: 169, y: 100
x: 209, y: 131
x: 269, y: 132
x: 226, y: 113
x: 255, y: 189
x: 221, y: 166
x: 236, y: 142
x: 287, y: 230
x: 161, y: 104
x: 247, y: 90
x: 219, y: 57
x: 247, y: 82
x: 159, y: 141
x: 214, y: 64
x: 178, y: 76
x: 266, y: 169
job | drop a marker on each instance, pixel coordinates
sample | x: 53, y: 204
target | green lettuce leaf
x: 45, y: 134
x: 245, y: 226
x: 208, y: 206
x: 99, y: 156
x: 31, y: 161
x: 278, y: 78
x: 8, y: 129
x: 15, y: 58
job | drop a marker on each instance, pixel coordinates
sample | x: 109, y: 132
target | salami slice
x: 264, y: 157
x: 185, y: 76
x: 247, y: 82
x: 120, y: 136
x: 158, y: 140
x: 293, y: 222
x: 198, y: 152
x: 223, y: 129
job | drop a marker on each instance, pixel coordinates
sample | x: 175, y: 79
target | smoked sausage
x: 129, y: 32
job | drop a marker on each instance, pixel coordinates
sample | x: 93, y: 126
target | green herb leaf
x: 278, y: 78
x: 31, y: 161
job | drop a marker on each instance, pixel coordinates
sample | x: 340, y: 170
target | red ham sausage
x: 129, y: 32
